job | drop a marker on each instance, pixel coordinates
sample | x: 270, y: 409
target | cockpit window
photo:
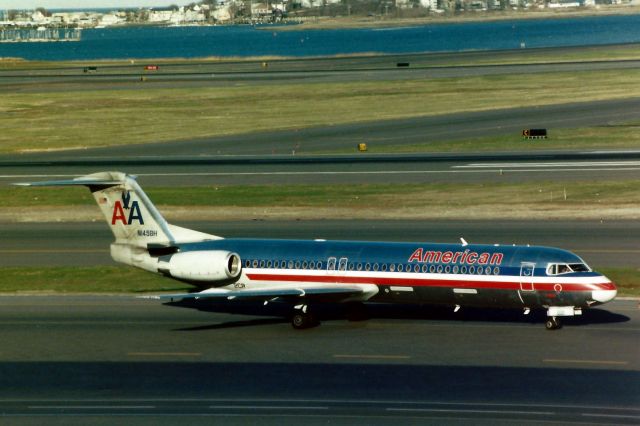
x: 566, y: 268
x: 579, y: 267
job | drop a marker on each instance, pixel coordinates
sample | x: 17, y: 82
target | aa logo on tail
x: 119, y: 210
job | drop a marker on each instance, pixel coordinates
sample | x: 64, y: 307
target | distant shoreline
x: 360, y: 22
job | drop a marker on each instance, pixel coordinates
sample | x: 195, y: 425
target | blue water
x: 192, y: 42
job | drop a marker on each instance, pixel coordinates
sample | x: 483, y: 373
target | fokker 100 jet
x: 303, y: 274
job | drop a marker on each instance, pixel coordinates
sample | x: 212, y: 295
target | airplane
x: 303, y: 274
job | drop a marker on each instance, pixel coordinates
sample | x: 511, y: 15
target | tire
x: 301, y: 320
x: 552, y: 323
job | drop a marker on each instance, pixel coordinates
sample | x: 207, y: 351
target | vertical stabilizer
x: 130, y: 214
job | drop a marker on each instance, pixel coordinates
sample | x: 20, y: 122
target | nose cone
x: 605, y: 293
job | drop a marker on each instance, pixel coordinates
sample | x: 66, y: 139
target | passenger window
x: 455, y: 269
x: 472, y: 269
x: 463, y: 269
x: 416, y: 268
x: 447, y: 269
x: 297, y: 264
x: 255, y: 263
x: 304, y: 265
x: 367, y: 267
x: 312, y: 265
x: 400, y: 267
x: 375, y: 266
x: 384, y: 267
x: 424, y: 269
x: 291, y: 264
x: 392, y: 267
x: 247, y: 263
x: 439, y: 269
x: 496, y: 271
x: 432, y: 269
x: 359, y: 267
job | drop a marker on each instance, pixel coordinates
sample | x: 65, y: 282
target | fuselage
x: 457, y: 274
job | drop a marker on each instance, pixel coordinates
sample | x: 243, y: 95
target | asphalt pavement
x: 118, y: 357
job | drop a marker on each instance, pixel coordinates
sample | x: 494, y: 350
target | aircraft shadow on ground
x: 280, y: 312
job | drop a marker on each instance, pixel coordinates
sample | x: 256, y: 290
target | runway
x: 117, y: 356
x: 319, y: 70
x: 600, y: 244
x: 338, y: 169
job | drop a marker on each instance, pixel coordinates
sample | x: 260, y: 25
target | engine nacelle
x: 211, y: 265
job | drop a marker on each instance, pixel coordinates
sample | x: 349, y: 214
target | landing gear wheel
x: 552, y: 323
x: 301, y: 320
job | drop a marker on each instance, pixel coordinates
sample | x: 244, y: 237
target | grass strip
x: 383, y: 196
x: 59, y: 118
x: 618, y: 136
x: 627, y: 280
x: 618, y: 52
x: 122, y: 279
x: 94, y: 279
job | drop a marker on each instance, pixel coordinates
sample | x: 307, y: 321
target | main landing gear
x: 302, y: 318
x: 552, y: 323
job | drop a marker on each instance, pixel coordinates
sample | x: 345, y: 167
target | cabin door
x: 526, y: 276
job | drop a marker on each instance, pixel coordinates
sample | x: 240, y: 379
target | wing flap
x: 270, y: 292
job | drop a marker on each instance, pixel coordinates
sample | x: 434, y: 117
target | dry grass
x: 138, y: 113
x: 541, y: 201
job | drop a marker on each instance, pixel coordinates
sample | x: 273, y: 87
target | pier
x: 40, y: 34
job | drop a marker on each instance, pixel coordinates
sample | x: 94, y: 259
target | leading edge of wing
x: 72, y: 182
x: 270, y: 292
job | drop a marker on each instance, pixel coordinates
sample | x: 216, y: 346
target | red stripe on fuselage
x: 426, y: 282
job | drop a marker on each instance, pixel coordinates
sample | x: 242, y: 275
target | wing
x: 334, y: 291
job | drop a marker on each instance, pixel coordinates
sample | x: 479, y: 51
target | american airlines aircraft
x: 306, y: 273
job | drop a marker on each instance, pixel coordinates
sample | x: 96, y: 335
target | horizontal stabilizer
x: 71, y: 182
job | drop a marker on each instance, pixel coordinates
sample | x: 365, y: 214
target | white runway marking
x: 554, y: 164
x: 265, y: 407
x: 610, y: 416
x: 346, y: 356
x: 585, y: 361
x: 467, y: 411
x: 468, y: 169
x: 91, y: 407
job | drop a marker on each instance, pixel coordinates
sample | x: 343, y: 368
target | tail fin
x: 135, y: 222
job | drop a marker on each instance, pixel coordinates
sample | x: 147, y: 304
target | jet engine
x: 209, y: 265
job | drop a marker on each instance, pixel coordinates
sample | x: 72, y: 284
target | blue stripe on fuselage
x: 387, y: 253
